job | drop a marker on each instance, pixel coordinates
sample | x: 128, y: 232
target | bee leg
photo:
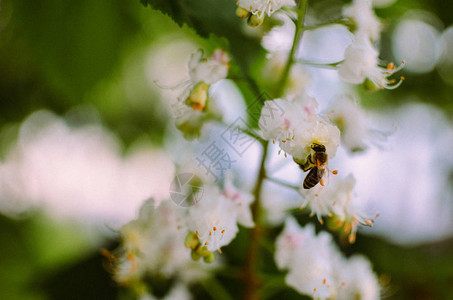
x: 307, y: 165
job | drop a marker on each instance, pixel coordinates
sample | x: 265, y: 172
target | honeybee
x: 317, y: 165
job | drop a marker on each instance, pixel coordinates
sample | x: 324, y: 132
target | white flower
x: 350, y: 119
x: 281, y: 118
x: 357, y: 280
x: 290, y: 240
x: 295, y: 124
x: 310, y: 259
x: 241, y: 200
x: 339, y: 201
x: 315, y: 130
x: 317, y: 268
x: 361, y: 11
x: 261, y: 7
x: 154, y: 243
x: 203, y: 73
x: 361, y: 62
x: 208, y: 70
x: 214, y: 219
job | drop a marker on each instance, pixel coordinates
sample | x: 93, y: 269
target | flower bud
x: 255, y: 20
x: 203, y: 251
x: 191, y: 240
x: 195, y: 256
x: 198, y: 96
x: 242, y: 13
x: 209, y: 258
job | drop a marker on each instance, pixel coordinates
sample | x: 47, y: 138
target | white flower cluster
x: 361, y: 57
x: 338, y: 202
x: 153, y: 244
x: 318, y: 269
x: 295, y: 124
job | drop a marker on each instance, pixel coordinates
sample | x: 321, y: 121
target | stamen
x: 321, y: 221
x: 324, y: 281
x: 273, y: 141
x: 220, y: 251
x: 351, y: 238
x: 214, y: 228
x: 206, y: 243
x: 223, y: 231
x: 197, y: 106
x: 210, y: 233
x: 335, y: 172
x: 197, y: 232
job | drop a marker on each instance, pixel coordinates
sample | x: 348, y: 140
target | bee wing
x: 324, y: 175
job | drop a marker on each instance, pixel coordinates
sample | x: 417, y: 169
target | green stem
x: 297, y: 38
x: 252, y: 281
x: 284, y: 183
x: 332, y: 66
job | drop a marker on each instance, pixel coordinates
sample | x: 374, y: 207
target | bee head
x: 318, y: 147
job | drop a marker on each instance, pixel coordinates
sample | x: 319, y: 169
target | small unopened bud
x: 195, y: 256
x: 209, y: 258
x: 203, y: 251
x: 242, y: 13
x: 255, y: 20
x: 191, y: 240
x: 198, y: 96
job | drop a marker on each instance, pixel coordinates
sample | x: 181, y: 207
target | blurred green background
x: 59, y: 55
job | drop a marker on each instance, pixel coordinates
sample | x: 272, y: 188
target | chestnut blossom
x: 361, y: 62
x: 281, y: 118
x: 366, y: 22
x: 316, y: 130
x: 351, y: 120
x: 357, y: 280
x: 154, y: 243
x: 295, y: 124
x: 204, y: 72
x: 309, y: 259
x: 338, y: 201
x: 261, y: 7
x: 214, y: 219
x: 317, y: 268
